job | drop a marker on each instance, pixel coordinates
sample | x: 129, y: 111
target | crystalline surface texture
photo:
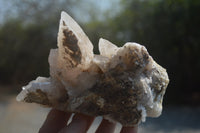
x: 122, y: 84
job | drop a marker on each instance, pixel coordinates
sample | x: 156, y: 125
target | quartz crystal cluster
x: 122, y: 84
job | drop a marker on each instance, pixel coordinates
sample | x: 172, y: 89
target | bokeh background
x: 170, y: 30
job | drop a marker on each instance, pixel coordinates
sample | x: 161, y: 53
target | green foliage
x: 24, y: 51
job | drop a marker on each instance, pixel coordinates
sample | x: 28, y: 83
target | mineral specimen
x: 122, y: 84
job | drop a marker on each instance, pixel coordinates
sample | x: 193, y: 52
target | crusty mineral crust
x: 121, y: 84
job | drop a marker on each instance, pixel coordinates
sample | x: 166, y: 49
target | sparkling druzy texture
x: 122, y: 84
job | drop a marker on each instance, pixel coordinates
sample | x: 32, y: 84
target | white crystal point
x: 107, y: 48
x: 41, y: 87
x: 74, y: 54
x: 75, y: 49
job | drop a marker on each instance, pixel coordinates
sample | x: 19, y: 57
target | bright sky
x: 100, y: 6
x: 7, y: 10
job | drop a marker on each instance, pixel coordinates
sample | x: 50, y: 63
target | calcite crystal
x: 122, y: 84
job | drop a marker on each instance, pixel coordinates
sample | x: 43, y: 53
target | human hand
x: 56, y: 122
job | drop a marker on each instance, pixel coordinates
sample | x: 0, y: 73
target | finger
x: 80, y: 124
x: 129, y: 129
x: 106, y: 127
x: 55, y: 121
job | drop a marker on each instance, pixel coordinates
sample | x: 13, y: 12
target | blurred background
x: 169, y: 29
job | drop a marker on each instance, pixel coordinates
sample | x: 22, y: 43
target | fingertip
x: 55, y: 121
x: 80, y: 123
x: 129, y: 129
x: 106, y: 127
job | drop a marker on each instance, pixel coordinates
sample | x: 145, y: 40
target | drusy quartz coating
x: 122, y: 84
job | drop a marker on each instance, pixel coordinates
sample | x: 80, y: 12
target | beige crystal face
x: 122, y: 84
